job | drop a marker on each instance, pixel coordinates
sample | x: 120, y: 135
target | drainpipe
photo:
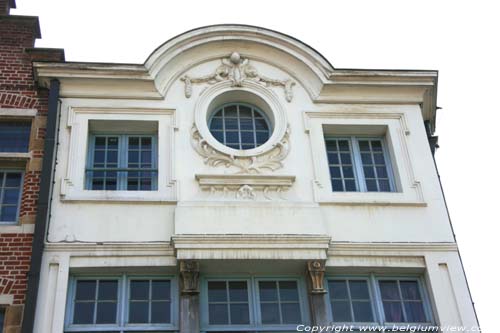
x: 43, y: 211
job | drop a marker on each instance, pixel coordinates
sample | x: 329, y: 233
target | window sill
x: 14, y: 156
x: 15, y: 228
x: 119, y: 196
x: 370, y: 199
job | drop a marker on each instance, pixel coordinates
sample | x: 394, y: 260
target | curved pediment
x: 177, y: 56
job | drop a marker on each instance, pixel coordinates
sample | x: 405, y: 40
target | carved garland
x: 237, y: 70
x: 270, y: 160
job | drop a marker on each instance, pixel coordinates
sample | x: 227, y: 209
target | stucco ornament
x: 270, y: 160
x: 237, y: 69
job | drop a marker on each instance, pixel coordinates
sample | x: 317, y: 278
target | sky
x: 459, y: 38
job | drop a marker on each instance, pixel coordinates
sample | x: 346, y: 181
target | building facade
x: 237, y: 182
x: 23, y: 115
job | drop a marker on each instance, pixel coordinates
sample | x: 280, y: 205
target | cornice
x: 399, y: 247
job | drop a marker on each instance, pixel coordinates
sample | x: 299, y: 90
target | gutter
x: 43, y: 211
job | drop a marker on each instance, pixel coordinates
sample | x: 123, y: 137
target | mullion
x: 279, y: 301
x: 2, y: 190
x: 238, y: 120
x: 224, y: 133
x: 405, y: 316
x: 348, y: 284
x: 254, y: 129
x: 374, y: 167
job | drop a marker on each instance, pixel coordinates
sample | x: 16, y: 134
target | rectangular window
x: 122, y: 162
x: 100, y: 303
x: 11, y: 185
x: 245, y: 305
x: 394, y: 301
x: 14, y: 136
x: 359, y: 164
x: 350, y: 300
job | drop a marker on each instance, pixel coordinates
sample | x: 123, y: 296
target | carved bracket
x: 316, y: 271
x: 190, y: 272
x: 237, y: 70
x: 270, y: 160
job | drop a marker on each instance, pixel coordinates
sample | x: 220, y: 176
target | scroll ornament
x: 237, y: 70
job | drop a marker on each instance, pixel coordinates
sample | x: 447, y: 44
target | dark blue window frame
x: 14, y: 136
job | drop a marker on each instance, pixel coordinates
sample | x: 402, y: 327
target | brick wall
x: 18, y: 90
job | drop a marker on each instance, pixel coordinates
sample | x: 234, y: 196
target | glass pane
x: 415, y: 312
x: 230, y: 111
x: 240, y: 314
x: 348, y: 172
x: 217, y: 291
x: 376, y: 145
x: 379, y: 158
x: 100, y: 142
x: 359, y: 290
x: 366, y: 158
x: 333, y: 158
x: 99, y: 158
x: 13, y: 179
x: 133, y: 157
x: 270, y: 313
x: 106, y: 313
x: 364, y: 145
x: 139, y: 289
x: 160, y: 312
x: 11, y: 196
x: 218, y: 135
x: 393, y: 312
x: 350, y: 185
x: 262, y: 137
x: 108, y: 290
x: 138, y: 312
x: 83, y: 313
x: 369, y: 172
x: 113, y: 143
x: 245, y: 111
x: 382, y: 172
x: 343, y: 145
x: 232, y: 137
x: 216, y: 124
x: 338, y: 289
x: 85, y: 290
x: 231, y: 124
x: 345, y: 158
x: 146, y: 157
x: 217, y: 314
x: 246, y: 124
x: 261, y: 124
x: 389, y: 290
x: 331, y: 145
x: 133, y: 143
x: 410, y: 291
x: 268, y: 291
x: 161, y: 290
x: 384, y: 186
x: 238, y: 291
x: 14, y: 136
x: 146, y: 143
x: 288, y: 291
x: 247, y: 137
x: 291, y: 313
x: 112, y: 158
x: 8, y: 213
x: 337, y: 185
x: 371, y: 185
x: 335, y: 172
x: 362, y: 311
x: 341, y: 311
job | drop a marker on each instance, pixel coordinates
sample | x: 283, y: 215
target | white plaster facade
x: 267, y: 210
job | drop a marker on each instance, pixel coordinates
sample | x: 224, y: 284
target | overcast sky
x: 460, y: 39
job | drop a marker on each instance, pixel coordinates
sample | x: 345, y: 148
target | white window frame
x: 358, y: 164
x: 376, y: 299
x: 73, y: 155
x: 388, y: 122
x: 254, y: 304
x: 18, y: 213
x: 122, y: 324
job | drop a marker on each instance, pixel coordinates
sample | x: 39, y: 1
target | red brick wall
x: 18, y: 90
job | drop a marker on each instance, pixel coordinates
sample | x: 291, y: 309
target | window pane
x: 106, y: 313
x: 393, y: 312
x: 338, y: 289
x: 341, y: 311
x: 8, y: 213
x: 389, y: 290
x: 138, y: 312
x: 83, y: 313
x: 270, y: 313
x: 161, y: 290
x: 139, y: 289
x: 108, y: 290
x: 14, y: 136
x: 288, y: 291
x: 11, y: 196
x: 337, y: 185
x: 268, y: 291
x: 240, y: 314
x: 217, y: 314
x: 291, y: 313
x: 410, y: 291
x: 350, y: 185
x: 216, y: 124
x: 231, y: 123
x: 362, y: 311
x: 160, y: 312
x: 359, y: 289
x: 85, y: 290
x: 217, y: 291
x: 414, y: 312
x: 247, y: 137
x: 13, y: 179
x: 246, y: 124
x: 238, y: 291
